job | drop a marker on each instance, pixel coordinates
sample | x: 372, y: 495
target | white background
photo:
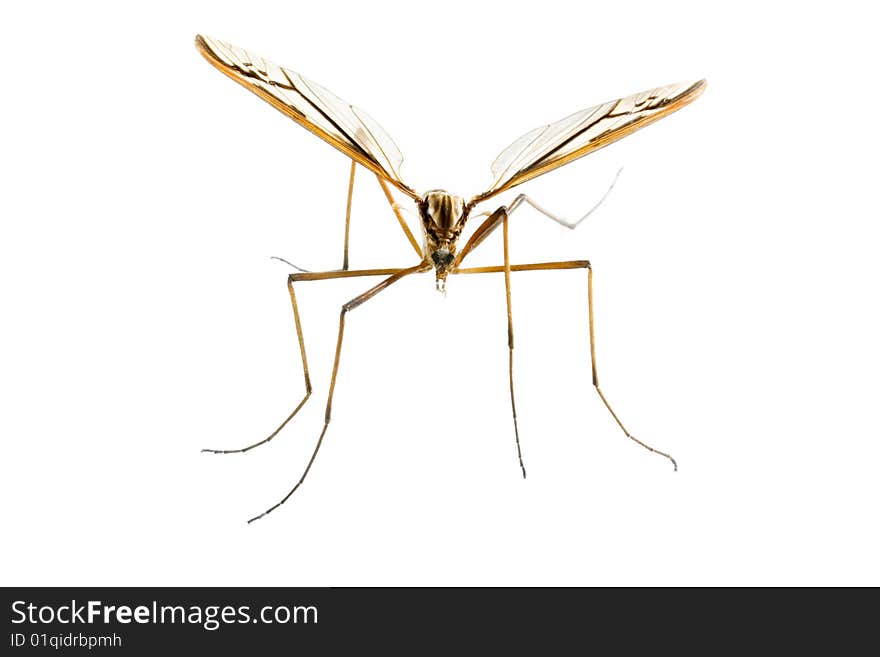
x: 735, y: 293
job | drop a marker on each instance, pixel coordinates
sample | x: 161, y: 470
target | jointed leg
x: 498, y: 218
x: 348, y: 215
x: 400, y: 220
x: 494, y: 220
x: 572, y: 264
x: 510, y: 341
x: 596, y: 376
x: 480, y: 234
x: 305, y: 276
x: 409, y: 236
x: 351, y: 305
x: 522, y: 198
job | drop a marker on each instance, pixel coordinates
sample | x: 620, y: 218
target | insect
x: 443, y: 214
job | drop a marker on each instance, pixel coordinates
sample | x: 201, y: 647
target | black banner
x: 413, y: 621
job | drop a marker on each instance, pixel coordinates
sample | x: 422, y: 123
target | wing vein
x: 578, y: 134
x: 337, y: 122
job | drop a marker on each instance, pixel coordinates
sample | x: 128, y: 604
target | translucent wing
x: 348, y: 128
x: 551, y: 146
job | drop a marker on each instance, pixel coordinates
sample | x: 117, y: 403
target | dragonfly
x: 443, y: 215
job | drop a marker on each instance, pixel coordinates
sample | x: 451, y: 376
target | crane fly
x: 443, y: 215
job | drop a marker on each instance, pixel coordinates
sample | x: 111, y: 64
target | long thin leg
x: 305, y: 276
x: 510, y: 340
x: 351, y: 305
x: 494, y: 220
x: 409, y: 236
x: 397, y: 214
x: 570, y: 264
x: 596, y: 376
x: 480, y: 234
x: 499, y: 217
x: 348, y: 215
x: 522, y: 198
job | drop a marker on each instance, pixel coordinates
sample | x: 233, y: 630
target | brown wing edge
x: 290, y: 112
x: 685, y: 98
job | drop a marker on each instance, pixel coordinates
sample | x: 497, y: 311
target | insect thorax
x: 443, y: 218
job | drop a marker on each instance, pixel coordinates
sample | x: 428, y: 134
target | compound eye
x: 442, y: 258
